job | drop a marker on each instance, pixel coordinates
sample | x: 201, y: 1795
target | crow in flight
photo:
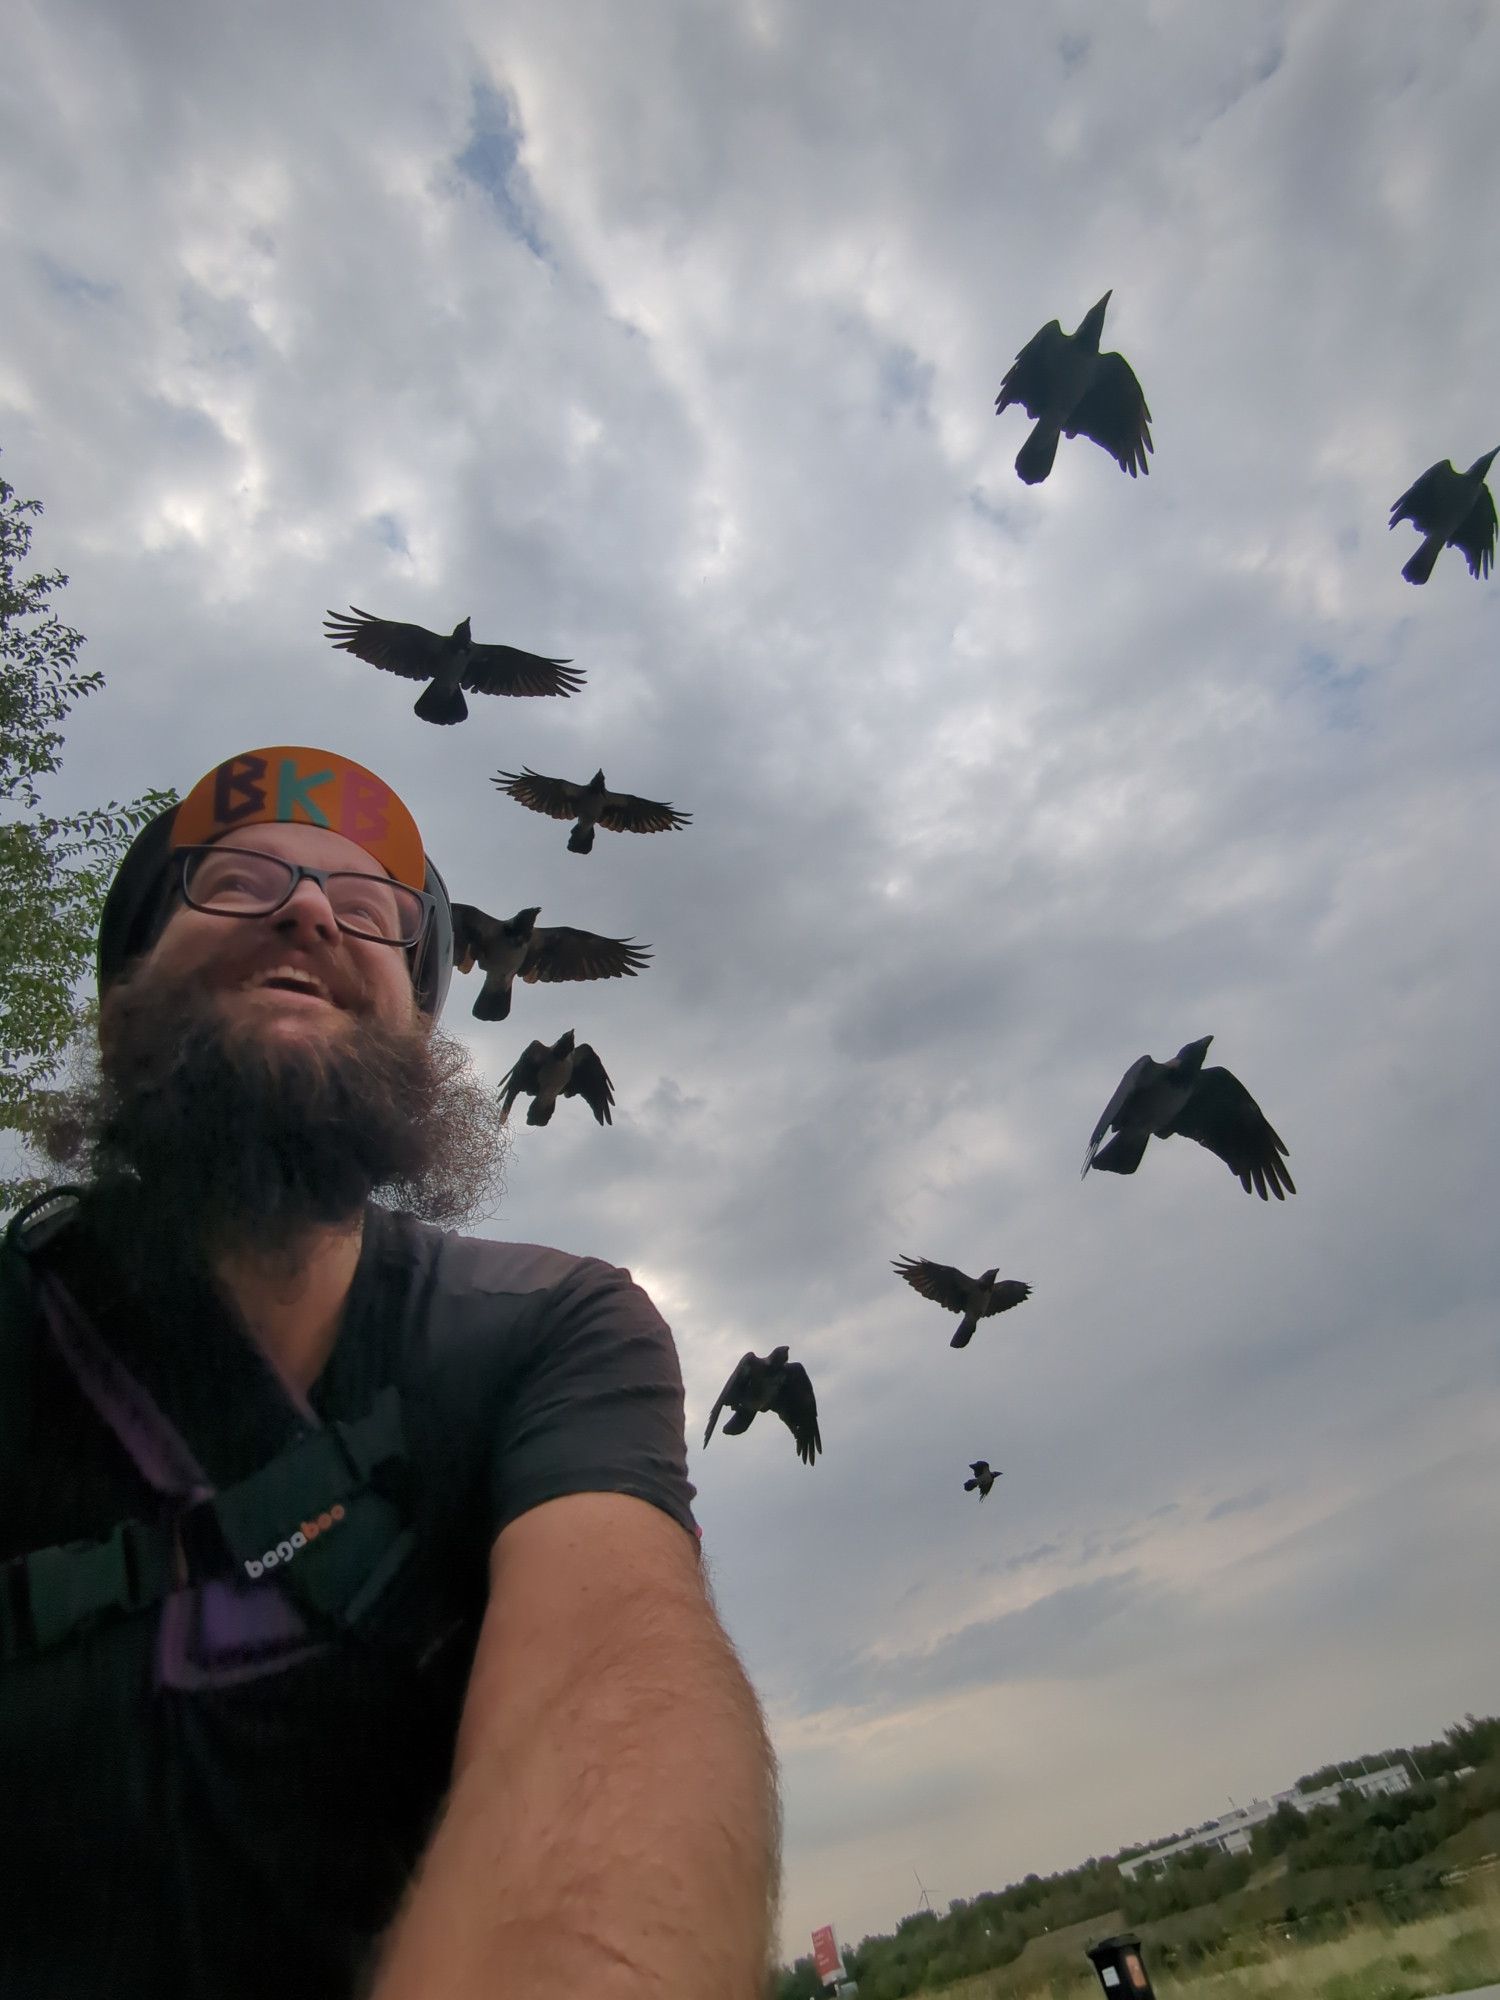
x: 1450, y: 510
x: 983, y: 1478
x: 1156, y: 1100
x: 520, y: 949
x: 1063, y: 381
x: 590, y: 805
x: 975, y: 1298
x: 778, y: 1384
x: 564, y: 1070
x: 449, y: 664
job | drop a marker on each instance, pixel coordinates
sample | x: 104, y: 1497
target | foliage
x: 1186, y: 1883
x: 1361, y: 1852
x: 54, y: 869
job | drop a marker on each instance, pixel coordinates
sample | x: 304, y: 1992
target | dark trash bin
x: 1121, y: 1970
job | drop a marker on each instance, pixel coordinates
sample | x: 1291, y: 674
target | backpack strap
x: 325, y: 1513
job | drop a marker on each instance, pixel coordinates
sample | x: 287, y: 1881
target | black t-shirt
x: 210, y: 1799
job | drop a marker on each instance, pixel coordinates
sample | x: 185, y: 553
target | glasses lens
x: 233, y: 881
x: 374, y: 906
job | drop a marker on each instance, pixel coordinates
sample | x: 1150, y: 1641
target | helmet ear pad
x: 432, y: 959
x: 142, y: 893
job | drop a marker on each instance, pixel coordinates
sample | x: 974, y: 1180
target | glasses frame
x: 300, y: 872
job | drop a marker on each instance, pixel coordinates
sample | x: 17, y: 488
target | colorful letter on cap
x: 306, y: 788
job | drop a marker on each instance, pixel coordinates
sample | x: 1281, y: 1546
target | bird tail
x: 492, y: 1006
x: 1420, y: 567
x: 541, y: 1110
x: 970, y: 1484
x: 581, y: 839
x: 1122, y: 1155
x: 1034, y: 459
x: 437, y: 704
x: 964, y: 1333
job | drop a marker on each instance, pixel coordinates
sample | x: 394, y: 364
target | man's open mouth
x: 290, y: 979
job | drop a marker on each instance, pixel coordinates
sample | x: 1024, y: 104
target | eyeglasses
x: 240, y: 882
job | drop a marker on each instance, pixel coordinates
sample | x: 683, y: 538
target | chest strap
x: 314, y: 1518
x: 326, y: 1518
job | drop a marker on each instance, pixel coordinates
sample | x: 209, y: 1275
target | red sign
x: 826, y: 1955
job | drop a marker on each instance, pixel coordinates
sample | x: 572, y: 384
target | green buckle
x: 67, y: 1585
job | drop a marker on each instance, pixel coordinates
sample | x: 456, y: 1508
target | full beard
x: 246, y: 1139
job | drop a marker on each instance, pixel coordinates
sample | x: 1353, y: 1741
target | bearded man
x: 354, y: 1638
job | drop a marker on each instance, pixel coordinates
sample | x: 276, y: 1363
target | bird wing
x: 559, y: 952
x: 473, y: 934
x: 1475, y: 534
x: 521, y: 1078
x: 1222, y: 1115
x: 797, y: 1407
x: 941, y: 1283
x: 623, y: 812
x: 741, y: 1380
x: 410, y: 650
x: 589, y: 1080
x: 1116, y: 1104
x: 1009, y: 1292
x: 507, y: 670
x: 558, y: 798
x: 1032, y: 377
x: 1112, y: 411
x: 1427, y: 499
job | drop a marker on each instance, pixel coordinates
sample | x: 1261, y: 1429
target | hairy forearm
x: 618, y: 1840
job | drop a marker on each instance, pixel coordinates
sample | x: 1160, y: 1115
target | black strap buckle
x: 66, y: 1586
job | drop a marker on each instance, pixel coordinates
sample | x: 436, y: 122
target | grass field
x: 1446, y: 1953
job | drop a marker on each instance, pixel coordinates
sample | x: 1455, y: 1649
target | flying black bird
x: 1451, y: 510
x: 1156, y: 1100
x: 975, y: 1298
x: 778, y: 1384
x: 590, y: 805
x: 520, y: 949
x: 983, y: 1478
x: 1063, y: 381
x: 450, y: 664
x: 544, y: 1075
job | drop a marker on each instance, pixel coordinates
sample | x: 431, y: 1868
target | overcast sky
x: 667, y: 337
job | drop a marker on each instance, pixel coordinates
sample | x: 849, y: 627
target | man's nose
x: 307, y: 913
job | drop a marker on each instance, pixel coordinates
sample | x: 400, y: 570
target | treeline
x: 1362, y: 1839
x: 978, y: 1936
x: 1475, y: 1740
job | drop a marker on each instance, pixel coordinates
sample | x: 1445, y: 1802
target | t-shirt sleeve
x: 596, y: 1404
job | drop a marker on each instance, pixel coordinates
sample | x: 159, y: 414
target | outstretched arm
x: 612, y: 1824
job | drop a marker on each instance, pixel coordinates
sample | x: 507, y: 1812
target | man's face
x: 231, y: 956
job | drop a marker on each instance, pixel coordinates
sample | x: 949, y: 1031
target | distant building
x: 1231, y: 1833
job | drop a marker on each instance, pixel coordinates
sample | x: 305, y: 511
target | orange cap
x: 307, y: 788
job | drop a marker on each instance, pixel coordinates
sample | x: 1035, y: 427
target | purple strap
x: 158, y: 1449
x: 224, y: 1631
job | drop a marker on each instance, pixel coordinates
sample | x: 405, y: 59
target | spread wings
x: 1428, y: 499
x: 738, y: 1389
x: 1116, y: 1104
x: 418, y: 655
x: 947, y: 1286
x: 1475, y: 534
x: 559, y: 952
x: 797, y: 1408
x: 1223, y: 1116
x: 589, y: 1080
x: 560, y: 798
x: 474, y: 934
x: 942, y: 1283
x: 521, y: 1079
x: 1112, y: 411
x: 1033, y: 378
